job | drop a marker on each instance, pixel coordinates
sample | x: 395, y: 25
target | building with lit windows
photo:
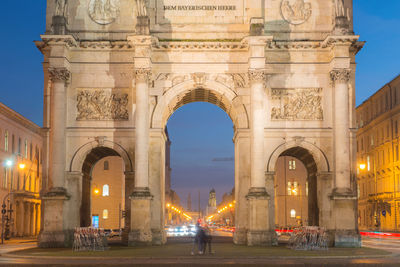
x: 108, y: 191
x: 291, y: 193
x: 378, y: 120
x: 20, y: 173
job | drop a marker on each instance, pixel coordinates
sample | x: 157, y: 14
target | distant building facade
x: 378, y: 121
x: 212, y: 202
x: 108, y: 193
x: 20, y: 172
x: 291, y: 193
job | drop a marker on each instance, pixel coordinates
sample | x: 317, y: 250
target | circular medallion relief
x: 103, y: 11
x: 296, y: 11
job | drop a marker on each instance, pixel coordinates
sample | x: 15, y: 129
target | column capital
x: 142, y: 74
x: 60, y: 75
x: 340, y: 75
x: 257, y: 75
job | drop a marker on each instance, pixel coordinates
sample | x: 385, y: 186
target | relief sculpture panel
x: 102, y: 104
x: 297, y: 104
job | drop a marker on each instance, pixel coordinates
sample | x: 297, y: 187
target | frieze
x: 104, y: 11
x: 102, y: 104
x: 230, y: 80
x: 296, y: 11
x: 297, y: 104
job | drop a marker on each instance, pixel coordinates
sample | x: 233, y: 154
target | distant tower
x: 212, y: 202
x: 189, y: 202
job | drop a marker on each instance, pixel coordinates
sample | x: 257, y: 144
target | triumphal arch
x: 116, y: 70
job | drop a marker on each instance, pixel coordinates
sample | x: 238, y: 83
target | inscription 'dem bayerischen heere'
x: 199, y: 7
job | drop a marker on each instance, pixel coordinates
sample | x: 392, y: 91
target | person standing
x: 207, y: 240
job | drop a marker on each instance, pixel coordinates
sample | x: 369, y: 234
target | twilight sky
x: 199, y: 131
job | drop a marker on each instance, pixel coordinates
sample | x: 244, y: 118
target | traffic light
x: 3, y: 209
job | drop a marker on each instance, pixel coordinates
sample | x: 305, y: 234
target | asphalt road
x: 392, y: 245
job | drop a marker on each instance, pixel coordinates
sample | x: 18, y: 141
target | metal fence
x: 309, y: 238
x: 89, y: 239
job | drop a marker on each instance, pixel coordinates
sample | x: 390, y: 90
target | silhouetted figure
x: 207, y: 240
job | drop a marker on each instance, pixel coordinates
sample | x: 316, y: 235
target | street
x: 389, y: 244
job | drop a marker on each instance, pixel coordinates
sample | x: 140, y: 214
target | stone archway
x: 78, y: 179
x: 210, y: 91
x: 319, y: 178
x: 184, y: 93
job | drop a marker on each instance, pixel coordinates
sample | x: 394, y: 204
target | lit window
x: 105, y: 214
x: 289, y: 188
x: 368, y: 164
x: 292, y: 213
x: 106, y: 165
x: 292, y: 164
x: 295, y: 189
x: 6, y: 141
x: 106, y: 190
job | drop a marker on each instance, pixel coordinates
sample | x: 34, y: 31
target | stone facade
x: 20, y: 143
x: 378, y: 120
x: 235, y: 54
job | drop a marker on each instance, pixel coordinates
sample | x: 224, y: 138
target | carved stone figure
x: 61, y: 8
x: 141, y: 8
x: 104, y: 11
x: 296, y: 11
x: 102, y: 105
x: 297, y: 104
x: 340, y: 9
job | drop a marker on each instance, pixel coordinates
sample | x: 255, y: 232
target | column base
x: 53, y: 234
x: 140, y: 233
x: 262, y: 238
x: 347, y: 239
x: 137, y: 238
x: 240, y: 236
x: 56, y: 239
x: 158, y: 237
x: 260, y: 232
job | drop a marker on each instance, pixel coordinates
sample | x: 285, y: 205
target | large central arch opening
x: 200, y: 125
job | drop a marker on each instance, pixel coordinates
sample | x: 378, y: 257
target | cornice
x: 18, y: 118
x: 106, y: 45
x: 200, y: 45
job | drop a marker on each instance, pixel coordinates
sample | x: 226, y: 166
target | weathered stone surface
x: 282, y: 70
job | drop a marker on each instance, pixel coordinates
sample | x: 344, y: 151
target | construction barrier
x: 89, y: 239
x: 309, y: 238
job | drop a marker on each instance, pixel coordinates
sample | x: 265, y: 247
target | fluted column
x: 140, y: 215
x: 257, y: 79
x: 142, y: 129
x: 54, y: 232
x: 340, y: 78
x: 60, y: 78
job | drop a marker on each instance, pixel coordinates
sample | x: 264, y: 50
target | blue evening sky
x: 199, y: 131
